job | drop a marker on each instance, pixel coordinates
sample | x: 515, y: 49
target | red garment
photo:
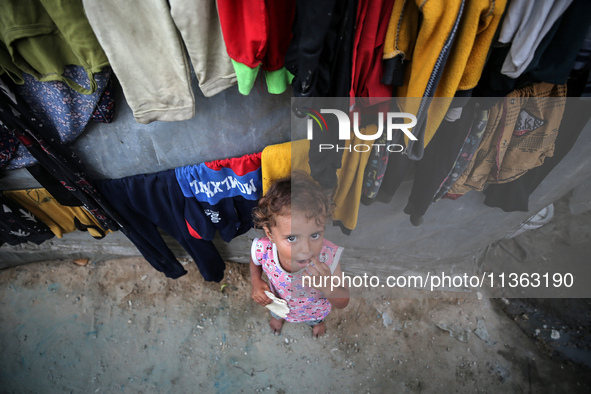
x: 240, y: 165
x: 257, y: 31
x: 373, y: 17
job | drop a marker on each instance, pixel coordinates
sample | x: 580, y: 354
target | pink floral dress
x: 305, y: 303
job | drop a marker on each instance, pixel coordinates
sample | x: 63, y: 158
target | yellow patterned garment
x: 520, y: 134
x: 59, y: 218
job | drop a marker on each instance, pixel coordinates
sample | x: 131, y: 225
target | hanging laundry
x: 41, y: 38
x: 368, y: 69
x: 554, y: 57
x: 320, y: 57
x: 387, y: 167
x: 277, y: 161
x: 368, y: 49
x: 441, y: 56
x: 60, y: 108
x: 320, y: 53
x: 56, y: 158
x: 467, y: 151
x: 60, y: 219
x: 560, y: 49
x: 421, y: 35
x: 524, y: 27
x: 521, y: 132
x: 583, y: 58
x: 257, y: 34
x: 146, y: 41
x: 54, y: 187
x: 17, y: 225
x: 8, y: 145
x: 581, y: 70
x: 514, y: 195
x: 104, y: 110
x: 428, y: 173
x: 227, y: 191
x: 440, y: 157
x: 323, y: 163
x: 347, y: 195
x: 151, y: 201
x: 375, y: 170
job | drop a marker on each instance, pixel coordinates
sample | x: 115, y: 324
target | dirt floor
x: 119, y: 326
x: 97, y: 328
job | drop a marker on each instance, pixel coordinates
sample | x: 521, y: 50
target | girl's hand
x: 338, y: 296
x: 320, y: 270
x: 258, y: 293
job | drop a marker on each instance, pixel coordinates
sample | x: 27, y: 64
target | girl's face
x: 297, y: 238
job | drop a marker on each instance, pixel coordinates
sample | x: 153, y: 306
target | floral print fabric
x: 60, y: 108
x: 8, y: 145
x: 305, y: 303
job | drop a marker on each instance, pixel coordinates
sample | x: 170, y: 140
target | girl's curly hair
x: 297, y: 192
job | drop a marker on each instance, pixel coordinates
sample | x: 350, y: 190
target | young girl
x: 293, y: 214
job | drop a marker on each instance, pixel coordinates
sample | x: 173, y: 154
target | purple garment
x: 63, y: 110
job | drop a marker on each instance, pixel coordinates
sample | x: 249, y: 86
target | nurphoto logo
x: 394, y: 121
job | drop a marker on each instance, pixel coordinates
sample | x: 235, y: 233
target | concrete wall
x: 228, y: 125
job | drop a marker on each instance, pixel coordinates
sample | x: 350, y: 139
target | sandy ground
x: 119, y: 326
x: 115, y: 327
